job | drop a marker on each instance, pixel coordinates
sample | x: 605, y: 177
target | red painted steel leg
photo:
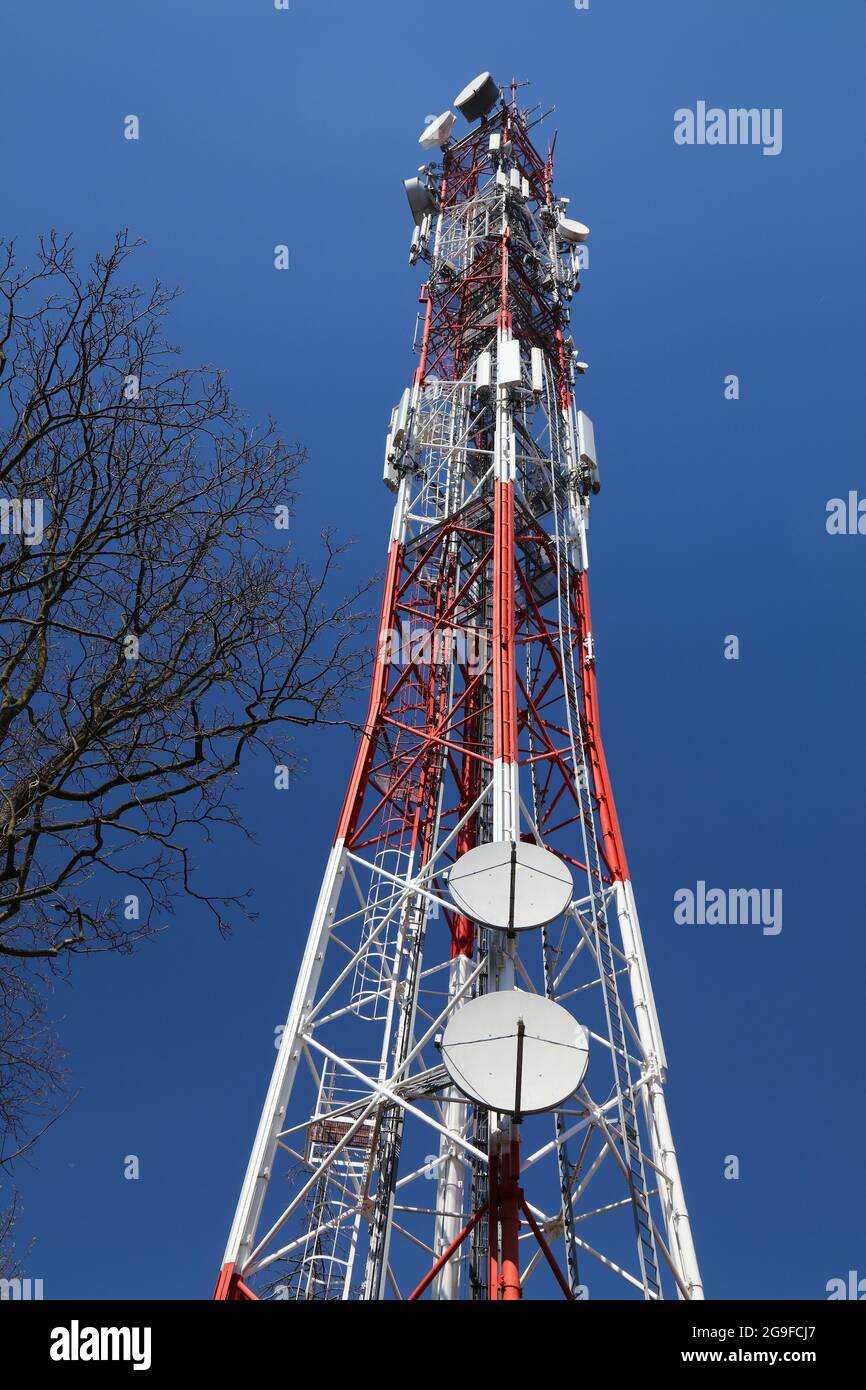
x: 493, y: 1229
x: 546, y: 1250
x: 230, y: 1288
x: 446, y: 1255
x: 509, y: 1217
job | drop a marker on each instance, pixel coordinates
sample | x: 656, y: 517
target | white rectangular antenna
x: 508, y: 362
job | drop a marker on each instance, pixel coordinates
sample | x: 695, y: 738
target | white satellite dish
x: 511, y: 886
x: 477, y: 97
x: 438, y: 131
x: 516, y: 1053
x: 571, y: 230
x: 421, y: 198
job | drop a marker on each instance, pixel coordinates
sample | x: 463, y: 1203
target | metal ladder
x: 371, y: 983
x: 325, y: 1267
x: 373, y: 976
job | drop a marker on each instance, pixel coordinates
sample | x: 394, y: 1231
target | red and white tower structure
x: 383, y: 1168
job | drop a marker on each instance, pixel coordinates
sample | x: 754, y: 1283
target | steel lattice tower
x: 369, y: 1167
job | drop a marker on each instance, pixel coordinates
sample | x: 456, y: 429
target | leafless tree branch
x: 159, y: 628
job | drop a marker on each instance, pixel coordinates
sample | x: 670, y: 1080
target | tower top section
x: 504, y: 261
x: 503, y: 251
x: 498, y: 149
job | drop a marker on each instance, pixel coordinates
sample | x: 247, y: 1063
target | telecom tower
x: 468, y: 1099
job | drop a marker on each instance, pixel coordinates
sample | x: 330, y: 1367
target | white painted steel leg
x: 664, y: 1154
x: 506, y: 800
x: 451, y: 1191
x: 260, y: 1166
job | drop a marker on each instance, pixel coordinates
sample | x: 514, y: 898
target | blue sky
x: 261, y: 127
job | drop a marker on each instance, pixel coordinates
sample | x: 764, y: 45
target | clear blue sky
x: 261, y: 127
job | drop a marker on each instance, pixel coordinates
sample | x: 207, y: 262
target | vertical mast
x: 377, y: 1172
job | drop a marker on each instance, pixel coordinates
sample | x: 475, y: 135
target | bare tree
x: 31, y: 1074
x: 31, y: 1081
x: 11, y: 1266
x: 154, y: 622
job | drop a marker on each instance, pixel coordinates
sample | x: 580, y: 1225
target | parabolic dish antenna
x: 477, y: 97
x: 485, y: 1039
x: 514, y: 887
x: 438, y: 131
x: 571, y: 230
x: 421, y: 199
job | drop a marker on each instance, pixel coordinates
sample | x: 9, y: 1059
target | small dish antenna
x: 515, y: 1053
x: 438, y: 131
x: 421, y: 197
x: 570, y: 230
x: 513, y: 886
